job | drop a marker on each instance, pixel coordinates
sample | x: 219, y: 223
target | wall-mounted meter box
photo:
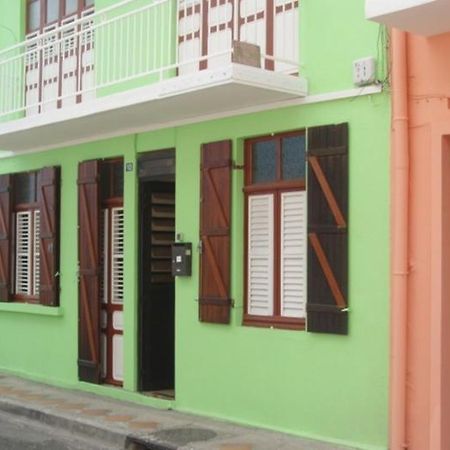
x: 181, y: 259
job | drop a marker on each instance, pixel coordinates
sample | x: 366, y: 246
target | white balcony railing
x: 137, y: 42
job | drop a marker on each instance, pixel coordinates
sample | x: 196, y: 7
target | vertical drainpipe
x: 399, y: 241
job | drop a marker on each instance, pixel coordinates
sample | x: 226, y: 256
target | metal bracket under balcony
x: 423, y: 17
x: 188, y: 98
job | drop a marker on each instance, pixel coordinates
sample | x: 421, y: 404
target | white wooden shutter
x: 23, y: 253
x: 117, y: 255
x: 293, y: 254
x: 260, y: 255
x: 36, y: 254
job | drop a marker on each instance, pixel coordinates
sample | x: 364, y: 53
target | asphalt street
x: 18, y: 433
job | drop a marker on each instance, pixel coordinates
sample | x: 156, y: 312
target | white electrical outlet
x: 364, y: 71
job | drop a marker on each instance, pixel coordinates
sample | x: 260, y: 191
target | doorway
x: 156, y: 283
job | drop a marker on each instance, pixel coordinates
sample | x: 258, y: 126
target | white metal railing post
x: 176, y: 31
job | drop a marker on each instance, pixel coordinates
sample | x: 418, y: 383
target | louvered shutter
x: 5, y: 237
x: 48, y: 196
x: 89, y: 272
x: 36, y: 252
x: 215, y: 221
x: 293, y: 254
x: 327, y: 229
x: 260, y: 255
x: 117, y: 255
x: 23, y: 253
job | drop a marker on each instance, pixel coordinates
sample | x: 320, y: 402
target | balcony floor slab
x: 184, y: 98
x: 423, y: 17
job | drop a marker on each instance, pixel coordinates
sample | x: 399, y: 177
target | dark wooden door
x: 157, y: 287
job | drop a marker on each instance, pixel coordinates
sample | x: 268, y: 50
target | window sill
x: 28, y: 308
x: 286, y: 323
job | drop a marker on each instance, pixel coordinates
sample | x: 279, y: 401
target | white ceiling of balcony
x: 186, y: 98
x: 423, y: 17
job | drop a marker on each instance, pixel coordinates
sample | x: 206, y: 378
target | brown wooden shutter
x: 327, y: 229
x: 89, y: 272
x: 215, y: 221
x: 48, y: 196
x: 5, y: 237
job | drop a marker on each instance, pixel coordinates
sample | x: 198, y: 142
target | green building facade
x: 331, y: 386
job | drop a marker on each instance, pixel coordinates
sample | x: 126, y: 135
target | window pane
x: 34, y: 15
x: 117, y: 174
x: 264, y: 166
x: 71, y: 7
x: 52, y: 10
x: 89, y: 3
x: 293, y: 157
x: 105, y: 181
x: 24, y: 188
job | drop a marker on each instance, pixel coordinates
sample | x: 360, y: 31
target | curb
x: 127, y: 441
x: 68, y: 424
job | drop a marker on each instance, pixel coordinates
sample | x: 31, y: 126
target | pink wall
x: 428, y: 309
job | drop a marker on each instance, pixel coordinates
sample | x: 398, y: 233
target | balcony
x: 423, y: 17
x: 139, y: 65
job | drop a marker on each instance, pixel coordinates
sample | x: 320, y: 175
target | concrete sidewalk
x: 124, y: 425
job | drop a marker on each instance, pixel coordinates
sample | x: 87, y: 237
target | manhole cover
x: 183, y: 436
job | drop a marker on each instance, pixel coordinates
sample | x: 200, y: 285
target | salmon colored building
x: 420, y: 264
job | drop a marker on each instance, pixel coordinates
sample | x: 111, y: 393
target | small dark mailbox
x: 181, y: 259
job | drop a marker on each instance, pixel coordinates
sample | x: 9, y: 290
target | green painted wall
x: 331, y: 387
x: 12, y: 27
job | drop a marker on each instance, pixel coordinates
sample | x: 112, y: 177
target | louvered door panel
x: 293, y: 254
x: 23, y: 253
x: 190, y: 18
x: 117, y: 255
x: 260, y: 255
x: 220, y: 32
x: 37, y: 253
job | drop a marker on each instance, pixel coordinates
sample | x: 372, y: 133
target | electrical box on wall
x: 364, y: 71
x: 181, y: 259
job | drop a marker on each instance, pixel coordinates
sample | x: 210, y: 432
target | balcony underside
x: 423, y: 17
x: 185, y: 98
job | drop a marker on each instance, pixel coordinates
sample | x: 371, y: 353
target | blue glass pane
x: 293, y: 157
x: 34, y: 16
x: 264, y: 167
x: 52, y: 10
x: 71, y: 7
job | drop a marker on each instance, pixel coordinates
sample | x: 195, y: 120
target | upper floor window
x: 42, y: 13
x: 276, y: 230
